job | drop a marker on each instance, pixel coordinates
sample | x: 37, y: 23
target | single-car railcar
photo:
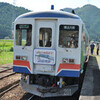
x: 50, y: 49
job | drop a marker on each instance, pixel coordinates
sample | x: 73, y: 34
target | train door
x: 44, y: 52
x: 45, y: 33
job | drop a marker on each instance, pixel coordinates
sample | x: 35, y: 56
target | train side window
x: 23, y: 34
x: 68, y: 36
x: 45, y: 37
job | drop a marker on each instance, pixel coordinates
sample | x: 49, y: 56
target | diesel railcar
x: 50, y: 49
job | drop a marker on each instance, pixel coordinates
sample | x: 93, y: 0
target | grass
x: 6, y: 57
x: 6, y: 53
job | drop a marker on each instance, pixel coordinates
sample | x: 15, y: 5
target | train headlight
x: 24, y: 58
x: 72, y: 61
x: 17, y: 57
x: 21, y: 58
x: 65, y: 60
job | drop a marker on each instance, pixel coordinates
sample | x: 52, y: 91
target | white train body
x: 49, y: 52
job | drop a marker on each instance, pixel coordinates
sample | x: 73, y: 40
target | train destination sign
x: 44, y: 56
x: 69, y: 27
x: 23, y: 26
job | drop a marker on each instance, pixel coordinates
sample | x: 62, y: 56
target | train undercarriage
x: 49, y: 86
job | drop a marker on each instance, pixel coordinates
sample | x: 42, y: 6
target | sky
x: 38, y: 5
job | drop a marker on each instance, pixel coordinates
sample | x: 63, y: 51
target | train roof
x: 49, y: 14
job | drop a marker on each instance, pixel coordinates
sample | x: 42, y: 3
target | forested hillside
x: 8, y: 13
x: 89, y: 14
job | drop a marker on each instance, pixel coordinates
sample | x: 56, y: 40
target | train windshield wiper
x: 25, y: 45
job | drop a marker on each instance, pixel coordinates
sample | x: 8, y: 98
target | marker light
x: 71, y: 61
x: 66, y: 60
x: 21, y: 58
x: 17, y: 57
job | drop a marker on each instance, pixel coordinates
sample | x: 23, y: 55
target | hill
x: 91, y: 17
x: 8, y: 13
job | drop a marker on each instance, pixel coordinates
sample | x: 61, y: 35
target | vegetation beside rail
x: 6, y: 51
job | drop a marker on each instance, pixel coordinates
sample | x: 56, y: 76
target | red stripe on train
x: 22, y: 63
x: 68, y: 66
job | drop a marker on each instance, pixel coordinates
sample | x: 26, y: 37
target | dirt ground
x: 6, y: 65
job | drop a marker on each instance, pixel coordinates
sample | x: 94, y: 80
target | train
x: 50, y: 49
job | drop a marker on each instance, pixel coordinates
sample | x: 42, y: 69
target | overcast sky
x: 37, y: 5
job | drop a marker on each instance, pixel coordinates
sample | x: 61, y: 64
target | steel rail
x: 31, y: 97
x: 8, y: 88
x: 5, y: 70
x: 7, y: 75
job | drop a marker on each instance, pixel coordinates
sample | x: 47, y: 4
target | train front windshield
x: 68, y: 36
x: 23, y: 34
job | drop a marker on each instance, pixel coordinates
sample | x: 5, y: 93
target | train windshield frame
x: 68, y: 36
x: 24, y: 34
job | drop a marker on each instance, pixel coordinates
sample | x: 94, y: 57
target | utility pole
x: 13, y: 17
x: 14, y: 2
x: 88, y: 1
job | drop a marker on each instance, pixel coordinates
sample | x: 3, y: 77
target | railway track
x: 7, y: 75
x: 31, y: 97
x: 5, y: 70
x: 8, y: 80
x: 8, y: 88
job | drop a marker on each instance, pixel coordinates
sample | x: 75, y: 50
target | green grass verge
x: 6, y: 52
x: 6, y: 57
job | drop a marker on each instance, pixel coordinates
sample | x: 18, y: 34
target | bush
x: 1, y: 51
x: 11, y: 49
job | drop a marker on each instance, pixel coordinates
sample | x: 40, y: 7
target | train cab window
x: 68, y: 36
x: 45, y: 37
x: 23, y: 34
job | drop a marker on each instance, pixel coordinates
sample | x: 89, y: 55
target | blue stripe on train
x: 49, y: 14
x: 67, y: 73
x: 21, y: 69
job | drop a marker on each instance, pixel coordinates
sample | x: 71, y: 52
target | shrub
x: 11, y: 49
